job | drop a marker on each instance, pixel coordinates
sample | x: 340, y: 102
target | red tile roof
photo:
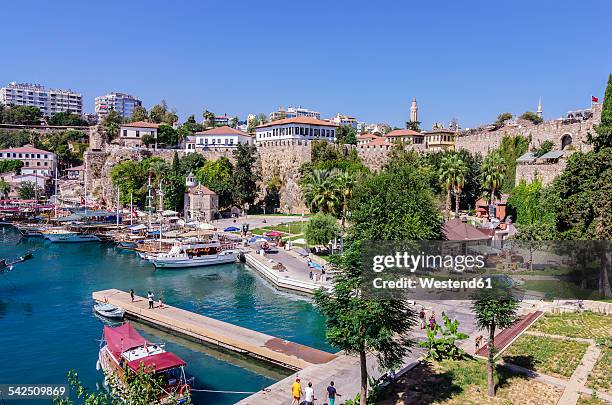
x: 25, y: 149
x: 403, y: 132
x: 381, y: 140
x: 201, y: 189
x: 299, y: 120
x: 457, y: 230
x: 224, y: 130
x: 367, y: 136
x: 141, y: 124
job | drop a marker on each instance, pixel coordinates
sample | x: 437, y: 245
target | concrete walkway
x: 282, y: 352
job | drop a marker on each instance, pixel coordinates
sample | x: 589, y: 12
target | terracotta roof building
x: 35, y: 161
x: 131, y: 133
x: 406, y: 135
x: 300, y: 128
x: 221, y: 137
x: 201, y: 203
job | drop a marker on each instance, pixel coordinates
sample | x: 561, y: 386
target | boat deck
x: 272, y: 349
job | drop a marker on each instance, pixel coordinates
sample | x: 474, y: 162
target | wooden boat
x: 126, y: 351
x: 195, y: 254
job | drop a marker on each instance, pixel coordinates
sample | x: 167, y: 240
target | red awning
x: 122, y: 338
x: 157, y: 362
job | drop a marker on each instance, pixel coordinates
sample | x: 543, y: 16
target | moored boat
x: 109, y: 311
x: 66, y: 236
x: 126, y: 351
x: 195, y: 254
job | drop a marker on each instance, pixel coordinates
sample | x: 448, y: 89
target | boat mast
x: 149, y: 200
x: 56, y: 198
x: 161, y: 210
x: 131, y: 208
x: 118, y: 202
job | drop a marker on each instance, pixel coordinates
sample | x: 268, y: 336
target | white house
x: 345, y: 120
x: 221, y: 137
x: 300, y: 128
x: 131, y: 134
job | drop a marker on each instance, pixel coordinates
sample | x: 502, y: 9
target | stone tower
x: 539, y: 112
x: 414, y: 111
x: 190, y: 181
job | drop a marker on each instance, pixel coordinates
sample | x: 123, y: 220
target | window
x: 125, y: 132
x: 137, y: 134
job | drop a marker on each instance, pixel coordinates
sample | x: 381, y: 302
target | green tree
x: 452, y: 175
x: 139, y: 114
x: 320, y: 191
x: 413, y: 125
x: 131, y: 177
x: 167, y: 135
x: 21, y: 115
x: 14, y: 139
x: 493, y: 174
x: 493, y: 310
x: 502, y: 118
x: 233, y: 122
x: 526, y: 203
x: 209, y: 119
x: 533, y: 237
x: 272, y: 194
x: 192, y: 126
x: 174, y: 192
x: 510, y: 149
x: 28, y: 190
x: 245, y: 174
x: 191, y: 162
x: 532, y: 117
x: 346, y: 135
x: 160, y: 114
x: 10, y: 165
x: 544, y: 148
x: 251, y: 124
x: 148, y: 140
x: 217, y: 175
x: 603, y: 139
x: 321, y: 229
x: 345, y: 183
x: 67, y: 119
x: 5, y: 188
x: 111, y: 123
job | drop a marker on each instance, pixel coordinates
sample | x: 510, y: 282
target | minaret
x: 539, y: 112
x: 414, y: 111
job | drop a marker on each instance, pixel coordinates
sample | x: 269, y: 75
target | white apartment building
x: 49, y: 101
x: 35, y: 161
x: 293, y: 112
x: 220, y: 137
x: 300, y: 128
x: 123, y: 103
x: 131, y: 134
x: 345, y: 120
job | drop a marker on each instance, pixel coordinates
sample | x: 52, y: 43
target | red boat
x: 126, y: 351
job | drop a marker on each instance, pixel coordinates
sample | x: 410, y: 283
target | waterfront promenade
x: 259, y: 345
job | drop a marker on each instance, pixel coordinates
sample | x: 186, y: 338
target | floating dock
x: 256, y: 344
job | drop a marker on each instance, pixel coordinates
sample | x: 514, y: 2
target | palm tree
x: 452, y: 176
x: 320, y: 191
x: 5, y: 188
x: 209, y: 118
x: 345, y: 183
x: 493, y: 169
x: 461, y: 171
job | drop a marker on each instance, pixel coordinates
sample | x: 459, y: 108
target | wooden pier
x: 259, y: 345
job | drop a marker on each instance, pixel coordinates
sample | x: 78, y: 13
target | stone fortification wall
x: 376, y: 156
x: 544, y: 172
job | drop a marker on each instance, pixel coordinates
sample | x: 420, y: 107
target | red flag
x: 594, y: 99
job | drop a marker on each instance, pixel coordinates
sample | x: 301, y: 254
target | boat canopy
x: 157, y: 362
x: 122, y: 338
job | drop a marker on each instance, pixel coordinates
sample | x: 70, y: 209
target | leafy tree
x: 493, y: 174
x: 174, y: 192
x: 251, y: 124
x: 502, y: 118
x: 69, y: 146
x: 111, y: 123
x: 493, y: 310
x: 245, y: 175
x: 413, y: 125
x: 67, y: 119
x: 160, y: 114
x: 510, y: 149
x: 345, y: 183
x: 346, y: 135
x: 14, y: 139
x: 233, y: 122
x: 603, y: 139
x: 28, y: 190
x: 544, y: 148
x: 526, y: 203
x: 262, y: 119
x: 321, y: 192
x: 131, y: 177
x: 354, y: 323
x: 532, y: 117
x: 209, y: 119
x: 321, y: 229
x: 272, y: 194
x: 21, y: 115
x: 148, y: 140
x: 191, y: 162
x: 10, y: 165
x: 217, y: 175
x: 167, y: 135
x: 139, y: 114
x: 533, y: 237
x: 5, y: 188
x: 452, y: 175
x: 192, y: 126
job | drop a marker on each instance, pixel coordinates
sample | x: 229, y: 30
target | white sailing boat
x: 195, y: 254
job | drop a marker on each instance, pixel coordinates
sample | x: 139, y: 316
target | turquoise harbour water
x: 47, y: 326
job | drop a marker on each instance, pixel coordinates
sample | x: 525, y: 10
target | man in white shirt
x: 309, y: 394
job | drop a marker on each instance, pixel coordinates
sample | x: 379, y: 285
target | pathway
x: 507, y: 336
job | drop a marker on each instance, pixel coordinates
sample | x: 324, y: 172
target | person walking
x: 309, y: 397
x: 422, y: 316
x: 296, y: 391
x: 150, y: 296
x: 132, y: 294
x: 432, y: 321
x: 331, y: 394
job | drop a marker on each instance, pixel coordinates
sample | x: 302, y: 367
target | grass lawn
x: 465, y: 382
x: 589, y: 325
x: 586, y: 400
x: 546, y: 355
x: 559, y: 289
x: 293, y: 228
x: 600, y: 379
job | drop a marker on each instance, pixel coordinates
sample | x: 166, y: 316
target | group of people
x: 431, y: 324
x: 150, y: 298
x: 297, y: 393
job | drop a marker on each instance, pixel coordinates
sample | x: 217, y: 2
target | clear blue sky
x: 465, y: 59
